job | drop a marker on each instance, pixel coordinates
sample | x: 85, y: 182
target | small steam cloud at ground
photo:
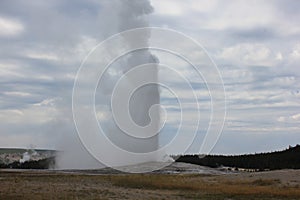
x: 26, y: 157
x: 129, y: 14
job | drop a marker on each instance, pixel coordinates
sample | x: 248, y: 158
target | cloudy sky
x: 256, y: 46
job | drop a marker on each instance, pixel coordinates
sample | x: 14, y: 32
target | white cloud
x: 250, y: 54
x: 279, y: 56
x: 264, y: 130
x: 42, y: 56
x: 296, y: 117
x: 241, y: 15
x: 291, y: 119
x: 27, y: 116
x: 9, y: 69
x: 182, y: 8
x: 295, y: 54
x: 281, y: 119
x: 168, y: 7
x: 48, y: 102
x: 9, y: 27
x: 203, y: 6
x: 17, y: 94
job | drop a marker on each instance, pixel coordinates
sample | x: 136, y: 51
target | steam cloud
x: 131, y: 14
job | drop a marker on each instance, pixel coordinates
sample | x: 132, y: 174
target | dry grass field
x: 284, y: 184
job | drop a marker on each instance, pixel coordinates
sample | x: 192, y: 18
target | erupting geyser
x: 133, y: 15
x: 143, y: 105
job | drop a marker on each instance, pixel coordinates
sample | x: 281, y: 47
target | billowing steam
x: 26, y: 157
x: 131, y: 14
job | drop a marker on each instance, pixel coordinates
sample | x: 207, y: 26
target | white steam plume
x: 130, y: 14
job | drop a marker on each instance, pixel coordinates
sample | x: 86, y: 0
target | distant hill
x: 286, y: 159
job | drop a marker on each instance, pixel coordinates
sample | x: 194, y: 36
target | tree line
x: 46, y: 163
x: 286, y: 159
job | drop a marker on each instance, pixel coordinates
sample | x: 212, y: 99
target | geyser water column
x: 133, y: 138
x: 133, y: 100
x: 133, y: 14
x: 106, y: 138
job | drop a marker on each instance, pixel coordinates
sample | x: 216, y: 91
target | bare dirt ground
x: 32, y: 184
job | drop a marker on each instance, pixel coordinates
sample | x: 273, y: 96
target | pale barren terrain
x: 283, y: 184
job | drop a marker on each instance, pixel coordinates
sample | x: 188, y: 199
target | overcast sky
x: 255, y: 44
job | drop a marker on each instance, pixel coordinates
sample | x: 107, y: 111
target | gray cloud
x: 39, y: 61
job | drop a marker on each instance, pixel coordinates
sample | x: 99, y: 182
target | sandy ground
x: 46, y: 184
x: 285, y: 177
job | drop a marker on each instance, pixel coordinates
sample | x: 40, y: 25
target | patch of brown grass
x: 266, y: 182
x: 143, y: 186
x: 267, y: 187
